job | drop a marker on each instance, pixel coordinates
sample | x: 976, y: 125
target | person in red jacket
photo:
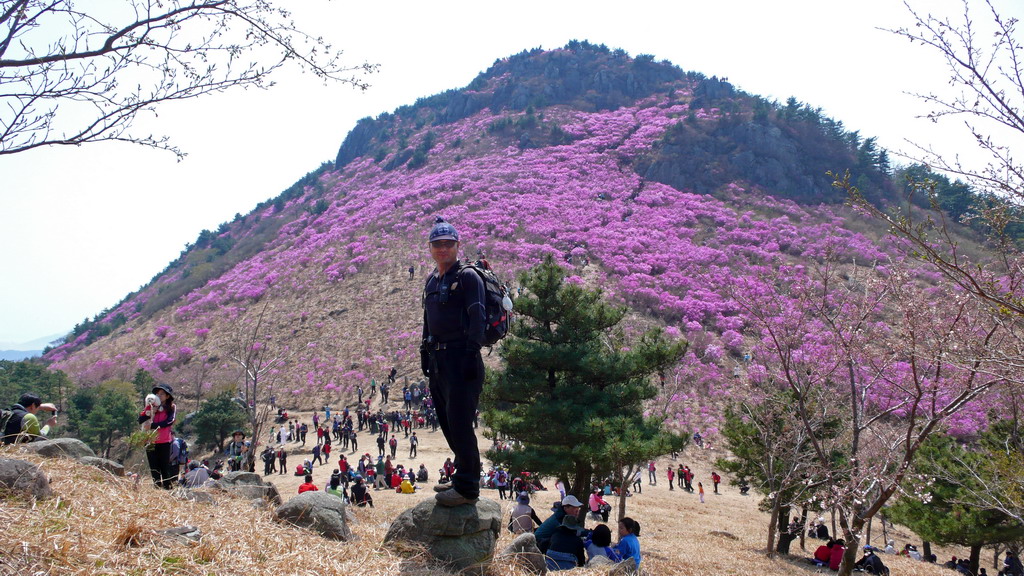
x: 838, y: 549
x: 308, y: 485
x: 823, y: 555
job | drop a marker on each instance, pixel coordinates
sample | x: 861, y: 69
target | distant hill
x: 656, y: 184
x: 15, y: 355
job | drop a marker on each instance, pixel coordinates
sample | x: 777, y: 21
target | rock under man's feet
x: 452, y: 498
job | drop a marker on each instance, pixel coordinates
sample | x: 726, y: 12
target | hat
x: 571, y: 500
x: 443, y: 231
x: 166, y: 388
x: 524, y: 498
x: 570, y: 521
x: 237, y: 432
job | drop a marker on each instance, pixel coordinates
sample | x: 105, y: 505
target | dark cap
x: 166, y: 388
x: 237, y: 432
x: 443, y: 231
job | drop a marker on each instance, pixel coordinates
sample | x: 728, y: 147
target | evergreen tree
x: 143, y: 381
x: 17, y: 378
x: 216, y: 419
x: 572, y: 393
x: 772, y: 450
x: 941, y: 510
x: 104, y: 413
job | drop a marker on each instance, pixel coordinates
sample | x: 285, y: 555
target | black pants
x: 456, y: 399
x: 160, y: 464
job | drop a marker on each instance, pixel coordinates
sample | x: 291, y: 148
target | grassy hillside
x: 97, y: 524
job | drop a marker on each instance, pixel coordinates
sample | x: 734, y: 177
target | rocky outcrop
x: 24, y: 477
x: 317, y: 511
x: 103, y: 464
x: 523, y: 552
x: 247, y: 485
x: 60, y: 448
x: 461, y: 537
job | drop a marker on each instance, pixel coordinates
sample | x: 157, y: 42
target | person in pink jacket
x: 161, y: 417
x: 598, y: 506
x: 836, y: 557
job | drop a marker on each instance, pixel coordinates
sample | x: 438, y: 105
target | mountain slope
x: 657, y: 185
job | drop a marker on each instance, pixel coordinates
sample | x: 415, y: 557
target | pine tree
x: 571, y: 396
x: 942, y: 510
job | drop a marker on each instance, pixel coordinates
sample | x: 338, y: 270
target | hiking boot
x: 442, y: 486
x: 452, y: 498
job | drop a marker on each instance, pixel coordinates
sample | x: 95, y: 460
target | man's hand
x: 424, y: 360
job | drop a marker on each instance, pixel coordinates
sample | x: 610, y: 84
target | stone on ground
x: 523, y: 552
x: 318, y: 511
x: 60, y: 448
x: 24, y: 477
x: 103, y: 464
x: 247, y: 485
x: 461, y: 537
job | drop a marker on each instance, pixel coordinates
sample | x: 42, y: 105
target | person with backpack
x: 179, y: 455
x: 162, y: 418
x: 453, y: 333
x: 237, y: 452
x: 21, y: 423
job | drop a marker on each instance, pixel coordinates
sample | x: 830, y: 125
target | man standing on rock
x: 453, y: 330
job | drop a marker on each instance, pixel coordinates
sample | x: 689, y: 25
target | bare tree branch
x: 70, y: 76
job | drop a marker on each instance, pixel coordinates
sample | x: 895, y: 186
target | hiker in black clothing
x: 453, y: 332
x: 23, y: 424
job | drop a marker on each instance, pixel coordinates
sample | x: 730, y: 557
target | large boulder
x: 24, y: 477
x: 242, y: 478
x: 318, y: 511
x: 523, y: 552
x: 104, y: 464
x: 60, y: 448
x: 247, y: 485
x: 462, y: 537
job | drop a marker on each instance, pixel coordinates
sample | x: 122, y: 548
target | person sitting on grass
x: 360, y: 495
x: 823, y: 554
x: 308, y: 485
x: 871, y: 563
x: 599, y: 543
x: 629, y: 543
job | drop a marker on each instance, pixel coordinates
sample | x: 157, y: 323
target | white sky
x: 82, y: 227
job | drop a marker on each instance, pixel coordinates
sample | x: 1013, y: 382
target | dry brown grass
x: 98, y: 524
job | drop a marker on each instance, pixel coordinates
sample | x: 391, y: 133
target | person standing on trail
x: 453, y: 333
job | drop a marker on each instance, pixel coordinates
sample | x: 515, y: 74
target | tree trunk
x: 850, y: 535
x: 926, y: 547
x: 581, y: 482
x: 975, y: 561
x: 803, y: 528
x: 772, y: 524
x: 867, y: 538
x: 623, y: 488
x: 785, y: 536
